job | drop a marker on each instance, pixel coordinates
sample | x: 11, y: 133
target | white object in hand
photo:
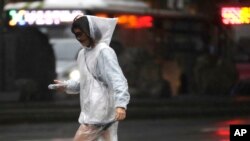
x: 55, y: 86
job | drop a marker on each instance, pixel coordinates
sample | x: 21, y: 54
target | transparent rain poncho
x: 102, y: 85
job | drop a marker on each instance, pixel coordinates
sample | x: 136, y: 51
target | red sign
x: 132, y: 21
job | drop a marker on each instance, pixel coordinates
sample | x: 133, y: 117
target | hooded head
x: 98, y: 29
x: 82, y: 23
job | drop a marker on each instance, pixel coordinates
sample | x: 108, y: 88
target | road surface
x: 178, y: 129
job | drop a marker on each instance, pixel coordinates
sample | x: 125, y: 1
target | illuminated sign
x: 60, y: 17
x: 132, y: 21
x: 41, y: 17
x: 235, y: 15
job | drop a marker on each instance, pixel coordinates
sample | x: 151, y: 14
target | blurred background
x: 187, y: 63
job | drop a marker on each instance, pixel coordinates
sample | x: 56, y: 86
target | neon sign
x: 235, y: 15
x: 41, y: 17
x: 132, y: 21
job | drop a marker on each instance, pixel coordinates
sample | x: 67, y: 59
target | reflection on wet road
x: 196, y: 129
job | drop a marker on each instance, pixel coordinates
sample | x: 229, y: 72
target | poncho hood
x: 101, y: 29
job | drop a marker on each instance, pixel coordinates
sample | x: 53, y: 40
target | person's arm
x: 73, y: 87
x: 69, y: 86
x: 113, y: 76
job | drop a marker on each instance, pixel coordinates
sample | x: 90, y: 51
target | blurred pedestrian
x: 103, y: 88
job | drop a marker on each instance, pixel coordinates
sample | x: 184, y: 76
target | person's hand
x: 120, y: 113
x: 60, y: 88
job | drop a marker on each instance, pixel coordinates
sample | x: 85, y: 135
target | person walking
x: 103, y: 87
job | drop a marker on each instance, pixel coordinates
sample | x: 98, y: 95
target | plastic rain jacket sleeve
x: 72, y: 87
x: 111, y: 73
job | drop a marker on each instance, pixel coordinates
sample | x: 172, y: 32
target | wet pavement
x: 176, y: 129
x: 186, y: 118
x: 177, y: 107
